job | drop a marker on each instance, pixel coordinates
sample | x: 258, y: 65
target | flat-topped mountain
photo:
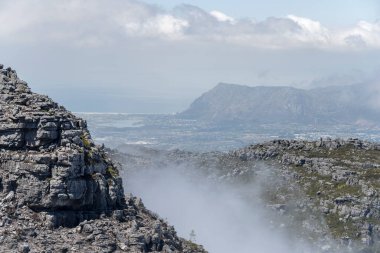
x: 237, y: 104
x: 59, y: 192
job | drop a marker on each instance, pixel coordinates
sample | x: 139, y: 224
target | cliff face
x: 48, y: 159
x: 59, y: 191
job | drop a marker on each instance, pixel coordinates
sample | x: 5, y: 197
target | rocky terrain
x: 59, y: 192
x: 340, y: 178
x: 325, y: 193
x: 238, y: 105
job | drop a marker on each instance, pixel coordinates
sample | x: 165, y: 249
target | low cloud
x: 373, y: 88
x: 99, y: 22
x: 223, y: 220
x: 129, y: 49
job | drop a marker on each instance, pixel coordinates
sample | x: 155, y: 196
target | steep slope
x: 59, y: 191
x: 234, y: 104
x: 324, y: 193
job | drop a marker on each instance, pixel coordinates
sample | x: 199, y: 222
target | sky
x: 158, y: 56
x: 336, y: 12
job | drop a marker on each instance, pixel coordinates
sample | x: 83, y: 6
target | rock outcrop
x: 59, y: 192
x: 340, y: 179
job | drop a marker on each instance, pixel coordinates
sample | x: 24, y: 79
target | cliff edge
x: 59, y: 192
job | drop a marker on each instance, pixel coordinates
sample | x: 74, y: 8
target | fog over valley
x: 192, y: 202
x: 189, y: 126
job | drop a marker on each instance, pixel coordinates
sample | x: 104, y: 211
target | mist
x: 225, y: 218
x: 132, y: 56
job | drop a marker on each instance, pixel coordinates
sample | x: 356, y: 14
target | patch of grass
x: 371, y: 174
x: 346, y: 152
x: 347, y: 157
x: 193, y: 246
x: 341, y: 228
x: 344, y: 189
x: 112, y: 171
x: 86, y: 142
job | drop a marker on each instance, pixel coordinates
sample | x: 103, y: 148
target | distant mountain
x: 237, y: 104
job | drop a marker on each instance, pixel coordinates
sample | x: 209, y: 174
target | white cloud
x: 99, y: 22
x: 164, y: 26
x: 311, y: 31
x: 364, y: 35
x: 220, y: 16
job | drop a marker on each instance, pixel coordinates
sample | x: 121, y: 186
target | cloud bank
x: 130, y: 56
x: 100, y: 22
x: 223, y: 219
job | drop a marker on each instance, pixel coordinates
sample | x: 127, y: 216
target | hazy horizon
x: 158, y: 56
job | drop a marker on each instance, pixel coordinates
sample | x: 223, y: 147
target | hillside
x: 237, y: 104
x: 323, y: 193
x: 340, y: 178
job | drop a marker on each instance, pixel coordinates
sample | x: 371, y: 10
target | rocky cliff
x: 59, y: 192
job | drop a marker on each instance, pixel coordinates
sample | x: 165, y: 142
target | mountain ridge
x: 236, y: 104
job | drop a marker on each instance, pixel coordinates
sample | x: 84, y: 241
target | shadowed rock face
x: 59, y: 192
x: 48, y: 158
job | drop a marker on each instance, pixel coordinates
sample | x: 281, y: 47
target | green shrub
x: 86, y: 142
x: 112, y: 171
